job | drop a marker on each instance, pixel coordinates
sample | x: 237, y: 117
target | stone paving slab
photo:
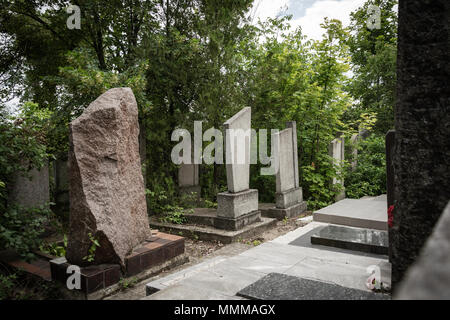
x: 188, y: 292
x: 361, y: 213
x: 276, y: 286
x: 173, y: 279
x: 227, y: 277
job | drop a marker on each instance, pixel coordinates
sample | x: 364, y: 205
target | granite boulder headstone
x: 107, y: 195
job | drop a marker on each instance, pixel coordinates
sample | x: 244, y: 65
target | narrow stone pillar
x: 289, y: 195
x: 336, y: 151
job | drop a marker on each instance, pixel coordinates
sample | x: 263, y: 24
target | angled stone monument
x: 336, y: 151
x: 106, y: 185
x: 289, y: 195
x: 239, y: 205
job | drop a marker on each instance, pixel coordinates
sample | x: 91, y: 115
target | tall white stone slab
x: 285, y: 177
x: 289, y: 196
x: 237, y: 150
x: 239, y: 206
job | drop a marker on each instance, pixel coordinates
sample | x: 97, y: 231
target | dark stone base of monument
x: 237, y: 223
x: 157, y: 250
x: 364, y: 240
x: 208, y: 217
x: 290, y: 212
x: 93, y: 278
x: 277, y: 286
x: 164, y: 247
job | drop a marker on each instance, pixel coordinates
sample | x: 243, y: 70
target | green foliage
x: 174, y: 214
x: 22, y: 144
x: 374, y: 56
x: 195, y: 60
x: 126, y: 283
x: 7, y: 285
x: 369, y: 177
x: 91, y: 252
x: 56, y: 248
x: 317, y: 181
x: 21, y: 228
x: 23, y: 286
x: 210, y: 204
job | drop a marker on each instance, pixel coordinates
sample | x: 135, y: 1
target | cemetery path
x: 285, y: 250
x: 223, y: 278
x: 200, y: 251
x: 197, y: 251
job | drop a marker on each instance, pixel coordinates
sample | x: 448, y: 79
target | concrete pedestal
x: 236, y: 210
x: 233, y: 205
x: 290, y: 212
x: 289, y: 198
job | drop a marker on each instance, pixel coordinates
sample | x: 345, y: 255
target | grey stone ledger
x: 422, y: 132
x: 30, y: 189
x: 429, y: 277
x: 336, y: 151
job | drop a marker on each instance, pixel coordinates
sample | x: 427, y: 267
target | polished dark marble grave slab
x: 358, y: 239
x: 277, y: 286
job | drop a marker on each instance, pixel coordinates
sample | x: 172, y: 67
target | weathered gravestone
x: 422, y: 131
x: 30, y: 189
x: 336, y: 151
x: 238, y: 206
x: 354, y: 147
x: 188, y: 179
x: 289, y: 195
x: 107, y: 195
